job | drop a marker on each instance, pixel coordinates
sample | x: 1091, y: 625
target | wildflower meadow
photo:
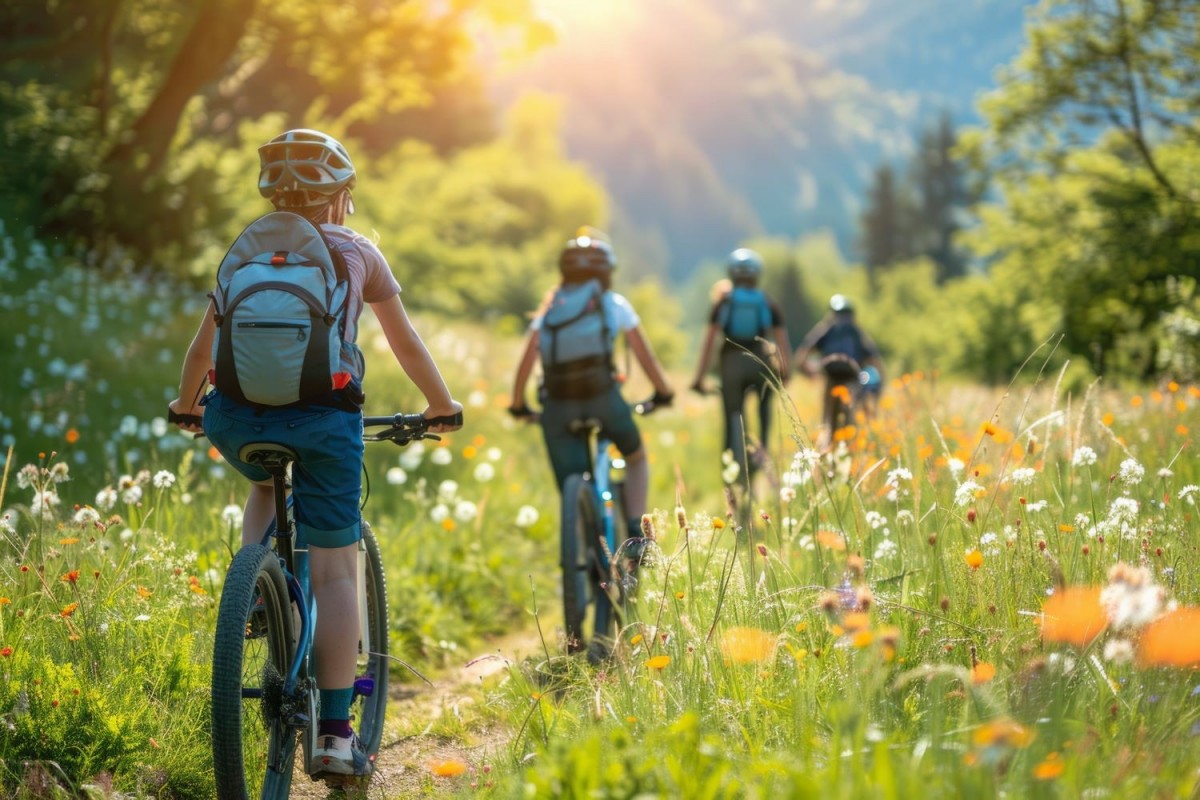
x: 972, y: 593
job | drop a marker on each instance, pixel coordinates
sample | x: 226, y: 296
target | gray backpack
x: 576, y: 343
x: 280, y: 314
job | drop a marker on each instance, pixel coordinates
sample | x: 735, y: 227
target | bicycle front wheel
x: 579, y: 571
x: 253, y: 746
x: 371, y: 687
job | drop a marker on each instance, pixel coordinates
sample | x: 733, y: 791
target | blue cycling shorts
x: 327, y: 477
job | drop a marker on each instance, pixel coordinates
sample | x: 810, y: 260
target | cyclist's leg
x: 326, y: 487
x: 620, y: 427
x: 735, y: 374
x: 568, y: 452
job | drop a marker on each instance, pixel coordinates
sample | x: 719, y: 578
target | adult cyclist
x: 753, y: 352
x: 845, y: 351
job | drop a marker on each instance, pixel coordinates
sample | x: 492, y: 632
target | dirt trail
x: 401, y: 769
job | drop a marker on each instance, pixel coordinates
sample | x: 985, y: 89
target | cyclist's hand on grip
x: 699, y: 388
x: 190, y: 419
x: 663, y: 399
x: 521, y: 412
x: 444, y: 420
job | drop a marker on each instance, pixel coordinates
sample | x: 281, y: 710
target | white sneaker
x: 339, y: 755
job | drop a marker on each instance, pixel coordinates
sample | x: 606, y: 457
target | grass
x: 971, y: 595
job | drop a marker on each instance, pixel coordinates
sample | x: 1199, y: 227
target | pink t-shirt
x: 371, y: 281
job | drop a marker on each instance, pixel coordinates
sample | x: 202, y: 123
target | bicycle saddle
x: 271, y: 456
x: 584, y: 425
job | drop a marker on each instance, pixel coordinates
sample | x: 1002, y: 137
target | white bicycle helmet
x: 745, y: 265
x: 303, y: 167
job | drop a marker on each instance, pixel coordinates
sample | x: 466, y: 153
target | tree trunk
x: 213, y: 38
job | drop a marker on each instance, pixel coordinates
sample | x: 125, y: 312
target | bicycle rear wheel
x: 371, y: 687
x: 253, y: 746
x: 581, y: 582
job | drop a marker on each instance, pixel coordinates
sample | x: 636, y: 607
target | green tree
x: 941, y: 199
x: 883, y: 238
x: 1094, y: 143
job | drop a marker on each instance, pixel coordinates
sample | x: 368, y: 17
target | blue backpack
x: 744, y: 315
x: 280, y: 313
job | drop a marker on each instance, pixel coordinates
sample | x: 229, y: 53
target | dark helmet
x: 745, y: 265
x: 303, y: 167
x: 840, y: 304
x: 587, y: 254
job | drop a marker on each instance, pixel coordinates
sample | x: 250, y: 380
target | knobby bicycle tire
x: 579, y: 579
x: 373, y: 656
x: 253, y: 747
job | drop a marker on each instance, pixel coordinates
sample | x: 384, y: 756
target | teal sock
x: 335, y: 703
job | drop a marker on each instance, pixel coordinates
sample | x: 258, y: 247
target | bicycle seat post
x: 274, y: 458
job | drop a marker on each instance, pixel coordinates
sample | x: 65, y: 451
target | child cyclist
x: 580, y: 380
x: 310, y: 174
x: 753, y: 352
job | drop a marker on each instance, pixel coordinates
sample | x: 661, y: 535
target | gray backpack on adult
x: 576, y: 343
x: 280, y: 314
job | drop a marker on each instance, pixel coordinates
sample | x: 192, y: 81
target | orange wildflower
x: 448, y: 768
x: 470, y: 451
x: 718, y: 523
x: 982, y: 672
x: 1172, y: 640
x: 144, y: 593
x: 448, y: 525
x: 747, y: 645
x: 71, y: 577
x: 69, y: 609
x: 658, y: 662
x: 1002, y: 732
x: 1073, y: 615
x: 1049, y: 768
x: 831, y: 539
x: 856, y: 621
x: 69, y: 540
x: 72, y: 436
x: 974, y: 559
x: 6, y: 651
x: 1108, y: 419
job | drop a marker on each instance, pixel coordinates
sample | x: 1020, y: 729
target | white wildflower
x: 1132, y: 599
x: 447, y: 490
x: 1118, y: 651
x: 28, y: 476
x: 787, y: 494
x: 806, y: 543
x: 1036, y: 506
x: 43, y: 504
x: 965, y: 492
x: 876, y: 520
x: 807, y: 458
x: 126, y: 534
x: 1023, y: 476
x: 441, y: 456
x: 60, y: 472
x: 465, y: 511
x: 411, y: 456
x: 106, y: 498
x: 159, y: 427
x: 132, y: 495
x: 477, y: 399
x: 142, y: 618
x: 885, y: 549
x: 8, y: 523
x: 494, y: 454
x: 956, y: 466
x: 484, y: 472
x: 1166, y: 472
x: 729, y: 473
x: 232, y: 515
x: 1084, y: 456
x: 164, y: 479
x: 1131, y: 472
x: 904, y: 517
x: 1186, y: 494
x: 396, y: 476
x: 527, y: 517
x: 86, y: 515
x: 439, y: 513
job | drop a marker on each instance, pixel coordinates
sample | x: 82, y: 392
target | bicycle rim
x: 373, y: 646
x: 253, y: 748
x: 578, y: 527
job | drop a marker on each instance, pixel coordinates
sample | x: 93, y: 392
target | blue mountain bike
x: 264, y: 687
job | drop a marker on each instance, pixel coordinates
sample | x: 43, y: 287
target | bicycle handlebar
x: 402, y: 428
x: 644, y: 407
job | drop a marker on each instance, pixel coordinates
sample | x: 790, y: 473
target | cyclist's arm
x: 806, y: 346
x: 194, y: 373
x: 705, y: 352
x: 524, y: 369
x: 645, y: 356
x: 415, y: 360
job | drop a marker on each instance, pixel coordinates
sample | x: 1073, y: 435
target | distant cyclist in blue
x: 847, y: 354
x: 754, y: 350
